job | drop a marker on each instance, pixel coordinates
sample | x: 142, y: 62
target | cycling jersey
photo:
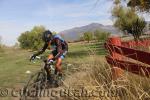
x: 59, y: 44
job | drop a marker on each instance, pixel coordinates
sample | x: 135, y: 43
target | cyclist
x: 60, y: 48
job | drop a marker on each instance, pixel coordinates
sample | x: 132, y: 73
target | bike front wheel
x: 36, y: 83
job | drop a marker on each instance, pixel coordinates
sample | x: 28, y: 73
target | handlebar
x: 43, y: 59
x: 38, y: 57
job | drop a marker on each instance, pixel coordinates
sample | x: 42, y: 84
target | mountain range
x: 74, y: 34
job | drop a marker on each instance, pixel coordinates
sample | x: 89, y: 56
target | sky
x: 18, y: 16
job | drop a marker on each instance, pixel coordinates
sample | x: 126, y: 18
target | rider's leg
x: 46, y: 68
x: 58, y: 66
x: 50, y: 56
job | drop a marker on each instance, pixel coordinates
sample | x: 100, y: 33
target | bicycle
x: 39, y: 81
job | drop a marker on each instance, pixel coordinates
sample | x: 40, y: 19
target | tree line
x: 96, y: 35
x: 33, y: 39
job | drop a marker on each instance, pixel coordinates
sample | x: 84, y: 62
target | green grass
x: 82, y: 49
x: 13, y: 65
x: 15, y: 62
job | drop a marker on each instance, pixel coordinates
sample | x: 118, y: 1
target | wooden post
x: 116, y: 72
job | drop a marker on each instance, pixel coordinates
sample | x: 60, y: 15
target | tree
x: 100, y: 35
x: 88, y: 36
x: 142, y: 5
x: 126, y: 19
x: 81, y: 38
x: 32, y: 39
x: 24, y: 40
x: 54, y: 32
x: 137, y: 28
x: 0, y: 40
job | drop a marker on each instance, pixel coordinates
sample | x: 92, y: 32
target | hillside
x: 75, y: 33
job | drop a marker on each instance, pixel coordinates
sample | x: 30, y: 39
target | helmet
x: 47, y: 36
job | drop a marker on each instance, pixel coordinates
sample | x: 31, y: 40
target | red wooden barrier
x: 116, y: 71
x: 115, y: 41
x: 118, y: 49
x: 144, y: 43
x: 131, y: 53
x: 129, y: 66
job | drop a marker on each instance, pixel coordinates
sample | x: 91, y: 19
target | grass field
x: 84, y: 65
x: 15, y: 62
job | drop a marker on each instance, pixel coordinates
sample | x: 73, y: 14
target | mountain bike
x: 40, y: 81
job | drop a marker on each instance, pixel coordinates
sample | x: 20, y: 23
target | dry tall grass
x: 97, y: 79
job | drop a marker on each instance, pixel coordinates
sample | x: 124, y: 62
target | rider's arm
x: 58, y: 48
x: 42, y: 50
x: 66, y: 45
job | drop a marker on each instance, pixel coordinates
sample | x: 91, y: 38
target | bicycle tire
x: 36, y: 81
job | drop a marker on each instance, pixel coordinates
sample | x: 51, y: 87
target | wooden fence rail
x: 118, y: 51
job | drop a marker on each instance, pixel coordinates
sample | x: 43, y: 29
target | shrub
x: 32, y: 39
